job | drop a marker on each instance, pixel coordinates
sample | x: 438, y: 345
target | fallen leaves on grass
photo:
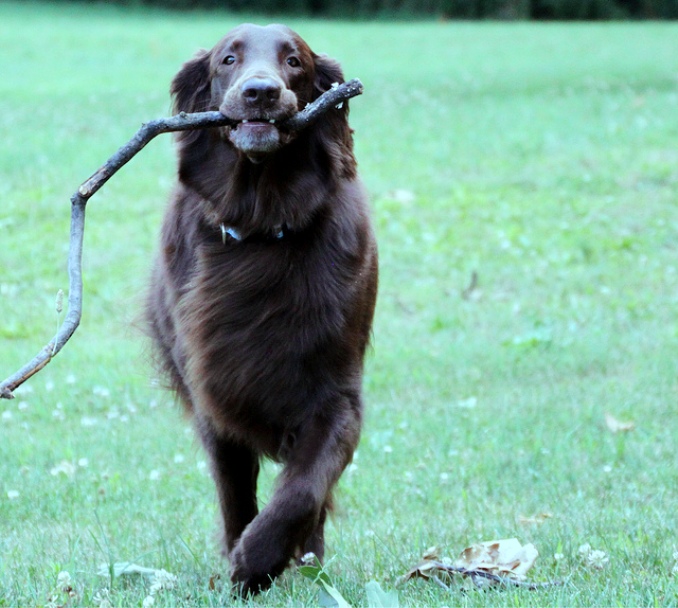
x: 129, y: 569
x: 498, y: 562
x: 160, y: 579
x: 68, y: 468
x: 617, y: 426
x: 500, y: 557
x: 537, y: 519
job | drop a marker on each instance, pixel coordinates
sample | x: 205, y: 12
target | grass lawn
x: 543, y: 158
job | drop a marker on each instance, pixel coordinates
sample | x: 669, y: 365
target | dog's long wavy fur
x: 263, y: 337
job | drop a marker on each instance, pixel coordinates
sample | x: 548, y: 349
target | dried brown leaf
x: 421, y: 570
x: 537, y: 519
x: 502, y: 557
x: 431, y: 553
x: 214, y: 579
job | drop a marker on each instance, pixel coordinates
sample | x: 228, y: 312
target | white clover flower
x: 102, y: 599
x: 593, y: 558
x: 101, y: 391
x: 598, y: 559
x: 64, y: 583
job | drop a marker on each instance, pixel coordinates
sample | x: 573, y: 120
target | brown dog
x: 263, y: 294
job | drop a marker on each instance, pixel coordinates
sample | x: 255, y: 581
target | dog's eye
x: 293, y: 62
x: 229, y: 60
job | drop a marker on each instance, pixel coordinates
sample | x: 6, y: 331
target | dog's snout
x: 261, y: 91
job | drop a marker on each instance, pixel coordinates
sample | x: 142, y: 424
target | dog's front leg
x: 235, y: 469
x: 292, y: 521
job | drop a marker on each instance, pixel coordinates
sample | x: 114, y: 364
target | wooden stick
x: 181, y: 122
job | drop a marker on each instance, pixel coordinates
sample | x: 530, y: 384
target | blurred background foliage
x: 441, y: 9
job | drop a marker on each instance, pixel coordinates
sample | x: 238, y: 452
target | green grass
x: 541, y: 157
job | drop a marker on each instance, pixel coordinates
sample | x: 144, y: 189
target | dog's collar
x: 228, y: 232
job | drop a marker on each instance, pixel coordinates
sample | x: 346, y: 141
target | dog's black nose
x: 261, y: 91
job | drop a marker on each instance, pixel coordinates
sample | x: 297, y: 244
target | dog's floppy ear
x: 333, y: 129
x: 191, y: 86
x: 327, y: 72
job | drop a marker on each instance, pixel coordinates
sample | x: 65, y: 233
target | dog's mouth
x: 256, y: 123
x: 258, y: 136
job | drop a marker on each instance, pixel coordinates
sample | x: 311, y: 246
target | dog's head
x: 257, y: 76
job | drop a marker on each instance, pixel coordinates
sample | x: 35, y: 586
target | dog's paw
x: 249, y: 578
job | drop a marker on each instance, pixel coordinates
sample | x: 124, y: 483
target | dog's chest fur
x: 265, y: 324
